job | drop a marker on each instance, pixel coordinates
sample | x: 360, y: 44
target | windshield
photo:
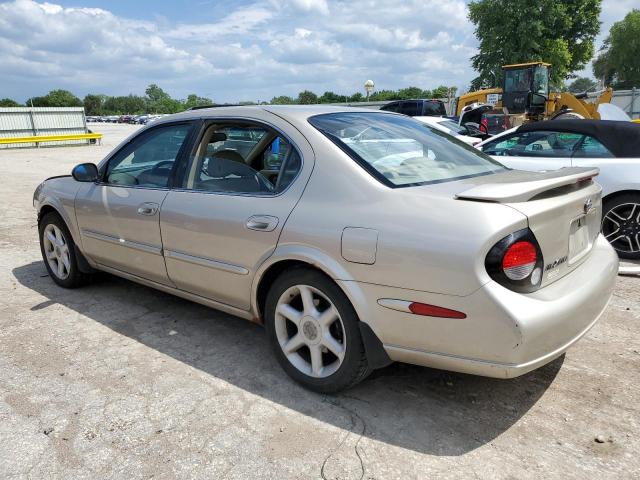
x: 400, y: 151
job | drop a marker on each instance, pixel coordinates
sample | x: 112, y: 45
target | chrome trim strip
x: 206, y: 262
x: 393, y: 304
x: 143, y: 247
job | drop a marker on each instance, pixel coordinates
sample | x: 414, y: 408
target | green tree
x: 194, y: 100
x: 384, y: 95
x: 307, y: 97
x: 130, y: 104
x: 619, y: 61
x: 282, y: 100
x: 581, y: 84
x: 357, y: 97
x: 93, y: 104
x: 7, y: 102
x: 55, y: 98
x: 515, y: 31
x: 331, y: 97
x: 159, y: 101
x: 411, y: 93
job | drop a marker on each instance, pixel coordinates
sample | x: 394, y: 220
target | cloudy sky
x: 235, y: 50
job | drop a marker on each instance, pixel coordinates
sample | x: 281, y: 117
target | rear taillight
x: 519, y: 260
x: 484, y: 125
x: 515, y: 262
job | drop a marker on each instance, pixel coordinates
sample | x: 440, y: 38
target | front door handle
x: 262, y: 223
x: 148, y: 208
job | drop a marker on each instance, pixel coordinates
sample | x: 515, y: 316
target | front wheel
x: 58, y: 252
x: 621, y: 225
x: 314, y: 331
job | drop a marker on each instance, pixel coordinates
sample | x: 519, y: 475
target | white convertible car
x: 612, y: 146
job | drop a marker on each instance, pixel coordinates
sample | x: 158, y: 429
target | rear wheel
x: 58, y: 252
x: 621, y: 225
x: 314, y: 331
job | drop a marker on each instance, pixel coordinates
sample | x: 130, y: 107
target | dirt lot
x: 117, y: 380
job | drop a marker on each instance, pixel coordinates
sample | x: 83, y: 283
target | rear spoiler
x: 522, y: 186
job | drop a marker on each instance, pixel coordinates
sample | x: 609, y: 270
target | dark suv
x: 417, y: 108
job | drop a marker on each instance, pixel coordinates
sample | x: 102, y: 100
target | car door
x: 119, y: 217
x: 538, y: 150
x: 226, y: 219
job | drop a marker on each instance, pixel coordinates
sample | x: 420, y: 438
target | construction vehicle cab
x: 525, y: 88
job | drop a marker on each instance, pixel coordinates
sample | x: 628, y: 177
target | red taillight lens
x: 434, y: 311
x: 519, y: 260
x: 484, y: 125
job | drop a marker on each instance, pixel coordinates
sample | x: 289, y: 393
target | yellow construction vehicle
x: 525, y: 96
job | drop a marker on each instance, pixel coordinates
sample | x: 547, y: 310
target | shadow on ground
x: 421, y: 409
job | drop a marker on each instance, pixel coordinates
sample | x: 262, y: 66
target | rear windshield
x: 400, y: 151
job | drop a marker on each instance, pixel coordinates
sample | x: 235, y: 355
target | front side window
x: 148, y: 161
x: 242, y: 157
x: 535, y: 144
x: 517, y: 80
x: 400, y: 151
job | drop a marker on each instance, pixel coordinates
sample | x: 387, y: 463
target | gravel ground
x: 117, y: 380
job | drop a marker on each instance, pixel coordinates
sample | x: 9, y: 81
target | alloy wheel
x: 621, y: 227
x: 56, y: 250
x: 310, y: 331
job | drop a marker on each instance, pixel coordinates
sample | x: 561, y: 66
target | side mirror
x: 85, y: 172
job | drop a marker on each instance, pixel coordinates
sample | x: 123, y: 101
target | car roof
x: 621, y: 138
x: 296, y: 113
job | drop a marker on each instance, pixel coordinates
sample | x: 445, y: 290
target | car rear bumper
x: 505, y: 334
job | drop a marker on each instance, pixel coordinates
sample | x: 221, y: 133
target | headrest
x: 226, y: 163
x: 217, y: 137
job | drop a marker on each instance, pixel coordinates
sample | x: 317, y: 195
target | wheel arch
x: 296, y: 256
x: 613, y: 195
x: 289, y: 257
x: 46, y: 208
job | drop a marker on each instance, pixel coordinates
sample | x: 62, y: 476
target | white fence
x: 41, y: 121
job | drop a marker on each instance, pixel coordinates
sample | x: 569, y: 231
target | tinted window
x: 433, y: 108
x: 243, y: 158
x: 534, y: 144
x: 412, y: 109
x: 400, y: 151
x: 390, y: 107
x: 148, y: 160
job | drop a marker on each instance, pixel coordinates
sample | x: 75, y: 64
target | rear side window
x: 243, y: 157
x: 591, y: 148
x: 401, y: 151
x: 435, y: 109
x: 411, y: 109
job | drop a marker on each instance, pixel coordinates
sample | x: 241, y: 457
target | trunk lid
x: 563, y: 208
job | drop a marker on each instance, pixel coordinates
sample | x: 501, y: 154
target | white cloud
x: 254, y: 51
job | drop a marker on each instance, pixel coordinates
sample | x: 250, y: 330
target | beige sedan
x: 356, y: 237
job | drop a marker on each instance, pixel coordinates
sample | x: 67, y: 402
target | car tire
x: 308, y: 336
x: 621, y: 224
x: 59, y: 252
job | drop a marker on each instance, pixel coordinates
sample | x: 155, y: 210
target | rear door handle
x: 262, y: 223
x: 148, y: 208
